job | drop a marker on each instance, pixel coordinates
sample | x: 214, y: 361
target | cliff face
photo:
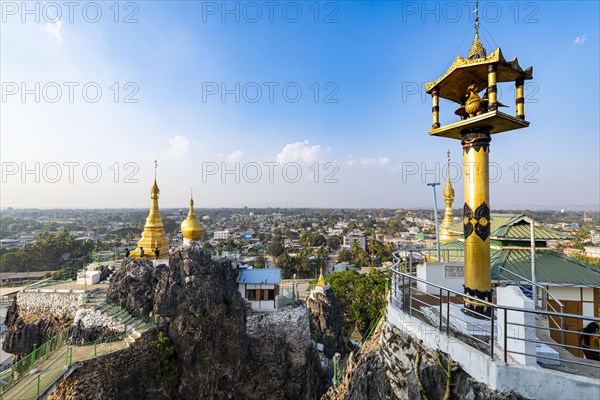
x: 133, y: 285
x: 283, y: 363
x: 394, y: 366
x: 325, y: 316
x: 33, y: 318
x: 199, y: 307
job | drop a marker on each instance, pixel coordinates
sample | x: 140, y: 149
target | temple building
x: 445, y: 234
x: 153, y: 236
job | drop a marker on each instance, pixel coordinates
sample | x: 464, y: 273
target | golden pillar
x: 476, y: 218
x: 492, y: 89
x: 435, y: 109
x: 520, y: 99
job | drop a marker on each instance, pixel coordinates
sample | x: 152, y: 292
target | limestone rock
x: 132, y: 286
x: 325, y: 316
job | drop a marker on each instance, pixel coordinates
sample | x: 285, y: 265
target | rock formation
x: 201, y: 348
x: 325, y: 316
x: 388, y: 366
x: 132, y: 286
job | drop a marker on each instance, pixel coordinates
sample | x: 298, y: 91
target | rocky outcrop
x: 287, y: 363
x: 395, y: 366
x: 202, y: 347
x: 34, y: 317
x: 132, y: 373
x: 198, y: 306
x: 91, y: 324
x: 132, y: 286
x: 325, y: 316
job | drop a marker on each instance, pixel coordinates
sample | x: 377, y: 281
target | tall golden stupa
x: 153, y: 236
x: 191, y: 228
x: 448, y: 193
x: 480, y: 118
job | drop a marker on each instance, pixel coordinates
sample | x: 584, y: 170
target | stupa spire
x: 153, y: 236
x: 477, y: 50
x: 448, y: 193
x: 321, y: 281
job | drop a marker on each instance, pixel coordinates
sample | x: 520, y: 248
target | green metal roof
x: 514, y: 227
x: 551, y: 267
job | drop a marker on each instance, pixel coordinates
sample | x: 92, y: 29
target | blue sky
x: 361, y: 121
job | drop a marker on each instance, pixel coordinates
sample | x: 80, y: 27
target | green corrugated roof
x: 514, y: 227
x: 551, y: 267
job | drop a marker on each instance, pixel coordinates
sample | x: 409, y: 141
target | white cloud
x: 369, y: 162
x: 236, y: 156
x: 299, y: 152
x: 178, y: 146
x: 53, y: 29
x: 580, y: 40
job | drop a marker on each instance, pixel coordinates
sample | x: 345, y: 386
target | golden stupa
x: 153, y: 236
x: 356, y: 337
x: 448, y: 193
x: 321, y: 281
x: 191, y: 228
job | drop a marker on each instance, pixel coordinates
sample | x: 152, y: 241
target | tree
x: 276, y: 247
x: 259, y: 262
x: 345, y: 255
x: 333, y: 242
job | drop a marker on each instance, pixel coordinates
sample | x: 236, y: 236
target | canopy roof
x: 452, y: 85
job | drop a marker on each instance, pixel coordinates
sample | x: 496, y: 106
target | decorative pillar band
x: 492, y: 90
x: 476, y: 139
x: 520, y: 99
x: 435, y: 109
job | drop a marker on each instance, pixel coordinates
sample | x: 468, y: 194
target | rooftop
x: 260, y: 275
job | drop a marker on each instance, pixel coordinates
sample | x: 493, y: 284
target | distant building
x: 221, y: 235
x: 260, y: 288
x: 592, y: 251
x: 355, y: 237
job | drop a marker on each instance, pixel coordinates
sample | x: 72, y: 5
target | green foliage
x: 276, y: 247
x: 344, y: 255
x: 362, y: 296
x: 588, y: 260
x: 48, y: 252
x: 260, y: 261
x: 166, y: 366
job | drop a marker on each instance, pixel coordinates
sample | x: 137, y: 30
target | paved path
x: 55, y: 366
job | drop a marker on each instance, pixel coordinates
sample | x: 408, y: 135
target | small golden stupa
x: 191, y: 228
x: 448, y: 193
x: 153, y: 236
x: 321, y: 281
x: 356, y: 337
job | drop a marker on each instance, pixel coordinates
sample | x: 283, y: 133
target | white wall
x: 437, y: 273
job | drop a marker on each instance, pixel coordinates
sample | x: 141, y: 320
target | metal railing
x: 433, y: 306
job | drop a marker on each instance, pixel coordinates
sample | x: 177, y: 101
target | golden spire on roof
x: 477, y: 50
x: 448, y: 193
x: 321, y: 281
x: 153, y: 236
x: 191, y: 228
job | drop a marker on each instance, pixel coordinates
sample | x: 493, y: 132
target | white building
x: 260, y: 288
x: 355, y: 237
x: 221, y: 235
